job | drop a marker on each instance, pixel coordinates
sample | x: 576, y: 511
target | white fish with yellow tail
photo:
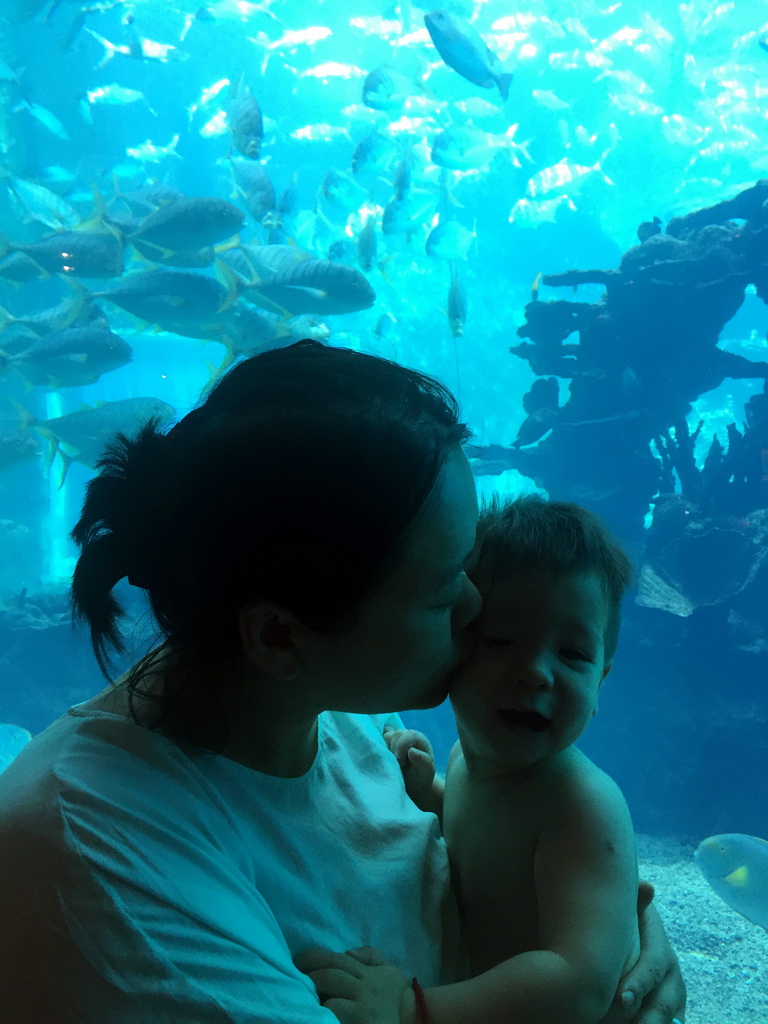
x: 736, y: 866
x: 565, y: 174
x: 466, y: 148
x: 149, y: 153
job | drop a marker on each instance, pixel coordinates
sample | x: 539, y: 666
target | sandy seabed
x: 724, y: 957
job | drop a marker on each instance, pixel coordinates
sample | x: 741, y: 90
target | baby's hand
x: 416, y: 759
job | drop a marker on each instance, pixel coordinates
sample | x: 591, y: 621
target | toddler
x: 540, y: 840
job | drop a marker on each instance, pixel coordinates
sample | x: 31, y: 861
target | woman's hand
x: 654, y: 991
x: 359, y: 986
x: 416, y: 759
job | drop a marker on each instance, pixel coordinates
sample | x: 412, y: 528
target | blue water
x: 623, y: 112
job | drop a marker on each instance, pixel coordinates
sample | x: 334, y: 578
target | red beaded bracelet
x: 421, y: 1003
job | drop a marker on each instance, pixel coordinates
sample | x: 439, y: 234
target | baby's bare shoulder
x: 573, y: 783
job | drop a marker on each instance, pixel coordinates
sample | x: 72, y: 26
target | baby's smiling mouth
x: 532, y: 720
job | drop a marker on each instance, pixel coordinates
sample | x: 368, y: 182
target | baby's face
x: 531, y: 685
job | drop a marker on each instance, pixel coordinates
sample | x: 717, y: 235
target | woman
x: 169, y: 846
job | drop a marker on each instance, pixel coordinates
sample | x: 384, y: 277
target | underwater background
x: 556, y: 208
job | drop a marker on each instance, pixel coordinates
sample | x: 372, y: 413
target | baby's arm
x: 586, y: 887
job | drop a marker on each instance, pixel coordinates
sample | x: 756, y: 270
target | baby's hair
x: 532, y: 532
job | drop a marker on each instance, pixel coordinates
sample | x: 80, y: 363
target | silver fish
x: 462, y: 49
x: 313, y: 286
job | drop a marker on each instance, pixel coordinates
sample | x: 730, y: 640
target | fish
x: 249, y: 261
x: 17, y: 268
x: 7, y: 73
x: 342, y: 191
x: 366, y: 243
x: 190, y: 259
x: 406, y: 216
x: 172, y: 299
x: 70, y: 312
x: 148, y: 153
x: 457, y: 304
x: 322, y: 130
x: 254, y: 187
x: 203, y: 14
x: 13, y: 739
x: 547, y: 98
x: 45, y: 117
x: 143, y: 200
x: 90, y: 254
x: 465, y: 148
x: 245, y: 121
x: 534, y: 427
x: 343, y: 250
x: 287, y: 205
x: 450, y: 240
x: 189, y: 224
x: 111, y: 95
x: 384, y: 326
x: 246, y: 331
x: 375, y: 154
x: 631, y: 103
x: 313, y: 286
x: 463, y: 49
x: 476, y: 108
x: 58, y: 175
x: 290, y: 40
x: 137, y: 48
x: 331, y: 69
x: 403, y: 174
x: 386, y: 89
x: 86, y: 431
x: 42, y: 205
x: 736, y: 866
x: 217, y: 125
x: 207, y: 96
x: 73, y: 357
x: 563, y: 174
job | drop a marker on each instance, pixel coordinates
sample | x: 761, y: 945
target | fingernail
x: 627, y: 998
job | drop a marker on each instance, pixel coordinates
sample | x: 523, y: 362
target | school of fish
x: 266, y: 171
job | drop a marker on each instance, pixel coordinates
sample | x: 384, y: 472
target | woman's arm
x: 655, y: 983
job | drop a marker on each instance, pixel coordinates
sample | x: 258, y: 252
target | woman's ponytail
x: 115, y: 532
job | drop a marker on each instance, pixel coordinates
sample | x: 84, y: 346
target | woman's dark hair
x: 531, y: 532
x: 296, y: 480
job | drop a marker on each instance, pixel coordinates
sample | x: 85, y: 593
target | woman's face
x: 402, y: 651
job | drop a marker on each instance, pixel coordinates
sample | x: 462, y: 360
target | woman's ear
x: 269, y: 637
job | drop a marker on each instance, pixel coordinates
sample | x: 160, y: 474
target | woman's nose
x: 467, y: 607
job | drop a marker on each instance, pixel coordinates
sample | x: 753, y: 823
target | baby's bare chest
x: 491, y: 844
